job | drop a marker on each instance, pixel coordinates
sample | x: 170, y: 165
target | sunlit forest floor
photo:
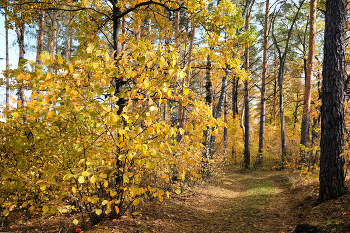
x: 231, y: 201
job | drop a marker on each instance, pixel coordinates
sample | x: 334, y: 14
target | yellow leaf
x: 85, y: 173
x: 186, y: 91
x: 136, y: 202
x: 105, y: 202
x: 14, y: 114
x: 98, y: 211
x: 81, y: 179
x: 105, y: 183
x: 93, y: 179
x: 74, y: 190
x: 75, y: 222
x: 178, y: 191
x: 60, y: 59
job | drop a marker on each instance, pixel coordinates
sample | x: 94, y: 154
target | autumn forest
x: 121, y: 115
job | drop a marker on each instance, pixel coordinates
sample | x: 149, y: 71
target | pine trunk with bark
x: 332, y: 178
x: 40, y: 46
x: 20, y: 39
x: 69, y: 36
x: 263, y: 87
x: 52, y: 36
x: 246, y: 161
x: 7, y: 65
x: 304, y: 134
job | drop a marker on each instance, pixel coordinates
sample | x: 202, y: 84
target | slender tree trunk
x: 218, y: 111
x: 174, y: 113
x: 20, y: 39
x: 7, y: 64
x: 40, y: 46
x: 263, y: 86
x: 69, y: 36
x: 304, y: 137
x: 234, y: 97
x: 118, y: 83
x: 52, y: 36
x: 283, y: 132
x: 123, y: 31
x: 282, y: 60
x: 246, y: 161
x: 275, y: 92
x: 209, y: 101
x: 181, y: 108
x: 225, y: 129
x: 332, y: 178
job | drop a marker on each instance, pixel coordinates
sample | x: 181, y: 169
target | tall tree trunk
x: 282, y: 60
x: 234, y: 97
x: 173, y: 113
x: 218, y: 111
x: 246, y: 161
x: 304, y: 134
x: 69, y: 36
x: 263, y: 86
x: 181, y: 108
x: 40, y: 46
x: 332, y: 179
x: 283, y: 132
x: 275, y: 92
x: 20, y: 39
x: 7, y: 64
x: 52, y: 36
x: 225, y: 129
x: 209, y: 102
x: 118, y: 83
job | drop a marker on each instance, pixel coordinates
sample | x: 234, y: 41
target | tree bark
x: 275, y: 92
x: 246, y: 162
x: 7, y: 65
x: 69, y: 36
x: 40, y: 46
x: 234, y: 97
x: 282, y: 60
x: 332, y: 179
x: 209, y: 102
x: 263, y: 86
x: 20, y: 27
x: 118, y: 83
x: 52, y: 36
x: 304, y: 134
x: 225, y: 129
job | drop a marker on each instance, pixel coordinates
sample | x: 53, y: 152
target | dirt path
x: 256, y: 201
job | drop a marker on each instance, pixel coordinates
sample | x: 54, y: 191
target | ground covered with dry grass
x: 231, y: 201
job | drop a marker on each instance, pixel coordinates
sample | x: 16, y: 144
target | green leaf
x: 100, y: 91
x: 53, y: 210
x: 6, y: 212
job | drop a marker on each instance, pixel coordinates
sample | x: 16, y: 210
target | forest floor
x: 233, y: 201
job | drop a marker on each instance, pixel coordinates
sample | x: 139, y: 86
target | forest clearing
x: 181, y: 115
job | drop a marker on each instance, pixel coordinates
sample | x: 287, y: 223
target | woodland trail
x: 252, y: 201
x: 234, y: 202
